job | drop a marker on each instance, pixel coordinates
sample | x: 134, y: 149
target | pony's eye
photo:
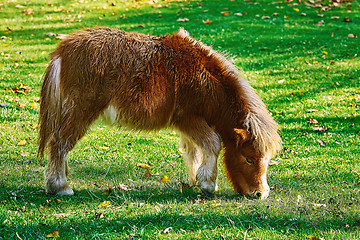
x: 250, y: 161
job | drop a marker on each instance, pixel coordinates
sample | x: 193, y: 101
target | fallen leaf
x: 184, y: 186
x: 238, y: 14
x: 99, y: 215
x: 322, y: 22
x: 319, y: 129
x: 53, y: 234
x: 352, y: 35
x: 123, y: 187
x: 143, y: 165
x: 108, y: 191
x: 207, y: 21
x: 4, y: 105
x: 346, y: 19
x: 167, y: 230
x: 33, y: 105
x: 50, y: 34
x: 225, y: 13
x: 313, y: 121
x: 104, y: 204
x: 58, y: 215
x: 311, y: 110
x: 165, y: 179
x: 20, y: 6
x: 319, y: 205
x: 147, y: 175
x: 183, y: 20
x: 296, y: 9
x: 321, y: 142
x: 313, y: 237
x: 22, y: 142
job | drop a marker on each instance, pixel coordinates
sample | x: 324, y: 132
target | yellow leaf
x: 104, y: 148
x: 53, y: 234
x: 33, y: 105
x: 296, y: 10
x: 21, y: 105
x: 315, y: 62
x: 225, y: 13
x: 104, y: 204
x: 300, y: 58
x: 325, y: 52
x: 143, y: 165
x: 5, y: 45
x: 165, y: 179
x: 22, y: 142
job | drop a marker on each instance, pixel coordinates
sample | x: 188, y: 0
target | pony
x: 147, y: 82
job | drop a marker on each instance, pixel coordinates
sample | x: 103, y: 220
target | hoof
x: 58, y: 186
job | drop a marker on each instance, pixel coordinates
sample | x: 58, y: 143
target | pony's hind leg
x: 202, y: 146
x: 74, y: 123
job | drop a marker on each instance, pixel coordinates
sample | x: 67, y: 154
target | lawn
x: 302, y: 57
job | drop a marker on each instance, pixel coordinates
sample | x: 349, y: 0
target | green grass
x: 293, y: 64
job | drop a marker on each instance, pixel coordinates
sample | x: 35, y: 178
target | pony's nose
x: 258, y: 195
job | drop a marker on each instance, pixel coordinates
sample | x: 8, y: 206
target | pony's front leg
x: 55, y: 175
x: 202, y: 146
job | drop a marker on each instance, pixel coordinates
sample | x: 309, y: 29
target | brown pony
x: 148, y: 82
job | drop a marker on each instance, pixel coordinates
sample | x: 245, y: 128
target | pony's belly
x: 139, y: 120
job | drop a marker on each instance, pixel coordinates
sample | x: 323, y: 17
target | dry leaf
x: 143, y: 165
x: 183, y: 20
x: 22, y: 142
x: 207, y: 21
x: 311, y: 110
x: 99, y: 215
x: 167, y: 230
x: 321, y: 142
x: 322, y: 22
x: 165, y: 179
x: 147, y: 175
x: 104, y: 204
x: 225, y: 13
x: 58, y: 215
x: 53, y: 234
x: 33, y: 105
x: 184, y: 186
x: 123, y: 187
x: 313, y: 121
x: 319, y: 129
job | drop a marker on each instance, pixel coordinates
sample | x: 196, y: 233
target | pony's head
x: 248, y: 155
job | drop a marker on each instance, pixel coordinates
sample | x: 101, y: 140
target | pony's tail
x: 50, y: 105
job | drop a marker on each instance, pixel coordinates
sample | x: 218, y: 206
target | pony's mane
x: 258, y: 121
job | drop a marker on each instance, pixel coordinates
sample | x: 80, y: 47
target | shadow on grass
x: 147, y: 224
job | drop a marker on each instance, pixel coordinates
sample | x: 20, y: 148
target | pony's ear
x: 241, y: 136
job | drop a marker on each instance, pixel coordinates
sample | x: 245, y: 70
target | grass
x: 301, y: 61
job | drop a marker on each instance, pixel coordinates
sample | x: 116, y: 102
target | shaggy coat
x: 147, y: 82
